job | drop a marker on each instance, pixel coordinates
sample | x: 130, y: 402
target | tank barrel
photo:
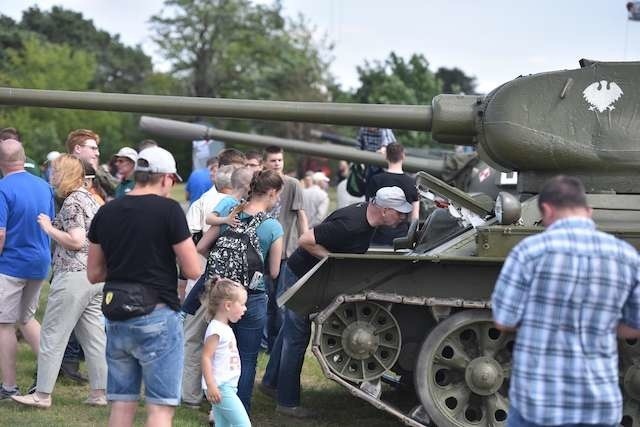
x: 189, y: 131
x: 410, y: 117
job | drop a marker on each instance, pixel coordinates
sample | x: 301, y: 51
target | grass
x: 336, y: 406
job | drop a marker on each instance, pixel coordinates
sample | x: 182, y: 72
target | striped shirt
x: 566, y: 290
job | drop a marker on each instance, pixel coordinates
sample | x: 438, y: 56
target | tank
x: 414, y: 336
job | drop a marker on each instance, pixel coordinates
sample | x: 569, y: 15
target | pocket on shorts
x: 152, y: 340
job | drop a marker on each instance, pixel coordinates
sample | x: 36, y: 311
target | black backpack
x: 236, y: 254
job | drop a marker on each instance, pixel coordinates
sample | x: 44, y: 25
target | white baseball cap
x: 319, y: 176
x: 128, y: 153
x: 157, y: 160
x: 392, y: 198
x: 52, y: 155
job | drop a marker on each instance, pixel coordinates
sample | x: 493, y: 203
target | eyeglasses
x: 91, y: 147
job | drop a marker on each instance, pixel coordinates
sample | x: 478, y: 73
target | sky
x: 492, y: 40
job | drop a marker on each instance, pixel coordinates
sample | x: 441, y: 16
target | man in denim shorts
x: 134, y: 243
x: 24, y: 257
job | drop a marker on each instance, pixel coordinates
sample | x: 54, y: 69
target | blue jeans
x: 230, y: 412
x: 147, y: 348
x: 275, y: 314
x: 285, y: 363
x: 515, y: 419
x: 248, y: 332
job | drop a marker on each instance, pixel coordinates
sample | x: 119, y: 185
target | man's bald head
x: 12, y: 155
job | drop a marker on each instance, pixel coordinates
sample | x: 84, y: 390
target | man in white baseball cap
x: 346, y: 230
x: 135, y: 243
x: 125, y: 160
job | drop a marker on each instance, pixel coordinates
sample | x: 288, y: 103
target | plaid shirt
x: 372, y: 139
x: 566, y: 290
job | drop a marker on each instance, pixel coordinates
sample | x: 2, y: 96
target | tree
x: 235, y: 49
x: 43, y: 65
x: 396, y: 81
x: 120, y: 68
x: 455, y: 81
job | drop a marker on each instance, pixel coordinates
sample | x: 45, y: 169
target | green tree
x: 121, y: 68
x: 396, y: 81
x: 42, y: 65
x: 237, y: 49
x: 455, y: 81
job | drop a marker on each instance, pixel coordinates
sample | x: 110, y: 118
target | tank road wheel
x: 360, y: 341
x: 463, y: 369
x: 629, y: 360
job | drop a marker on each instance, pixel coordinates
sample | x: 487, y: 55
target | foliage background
x: 216, y: 48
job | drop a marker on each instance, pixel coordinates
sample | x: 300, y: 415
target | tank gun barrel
x: 411, y: 117
x: 189, y: 131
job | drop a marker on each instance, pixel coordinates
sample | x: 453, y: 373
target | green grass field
x: 335, y: 405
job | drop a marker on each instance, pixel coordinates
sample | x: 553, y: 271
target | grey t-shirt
x: 286, y: 210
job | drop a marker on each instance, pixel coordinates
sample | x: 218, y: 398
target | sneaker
x: 33, y: 400
x: 96, y: 401
x: 6, y: 394
x: 296, y: 411
x: 268, y: 391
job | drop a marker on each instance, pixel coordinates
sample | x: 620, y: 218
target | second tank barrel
x: 190, y: 131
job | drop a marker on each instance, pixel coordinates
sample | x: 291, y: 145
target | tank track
x: 417, y: 417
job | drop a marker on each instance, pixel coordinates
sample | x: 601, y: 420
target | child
x: 225, y: 302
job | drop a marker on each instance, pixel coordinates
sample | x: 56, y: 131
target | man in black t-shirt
x: 134, y: 243
x: 394, y: 176
x: 347, y: 230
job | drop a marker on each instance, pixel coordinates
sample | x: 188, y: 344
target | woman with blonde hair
x: 73, y: 304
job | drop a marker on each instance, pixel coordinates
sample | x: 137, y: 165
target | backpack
x: 356, y: 182
x: 236, y: 254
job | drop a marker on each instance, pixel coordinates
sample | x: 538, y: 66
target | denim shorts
x: 147, y: 348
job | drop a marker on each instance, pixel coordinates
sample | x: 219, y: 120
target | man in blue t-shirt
x: 24, y: 257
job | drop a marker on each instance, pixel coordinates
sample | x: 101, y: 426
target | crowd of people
x: 147, y: 294
x: 182, y: 304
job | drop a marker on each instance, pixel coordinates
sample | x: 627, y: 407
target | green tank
x: 420, y: 319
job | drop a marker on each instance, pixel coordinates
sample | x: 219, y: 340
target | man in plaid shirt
x: 566, y: 292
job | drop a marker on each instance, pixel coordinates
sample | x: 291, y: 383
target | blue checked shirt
x: 372, y: 139
x: 566, y: 290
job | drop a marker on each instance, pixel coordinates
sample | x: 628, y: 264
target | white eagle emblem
x: 602, y: 95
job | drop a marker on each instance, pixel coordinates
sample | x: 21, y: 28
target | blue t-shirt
x: 268, y: 231
x: 198, y: 183
x: 26, y: 253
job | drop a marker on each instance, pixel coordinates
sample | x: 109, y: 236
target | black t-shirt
x: 387, y: 179
x: 136, y: 234
x: 346, y: 230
